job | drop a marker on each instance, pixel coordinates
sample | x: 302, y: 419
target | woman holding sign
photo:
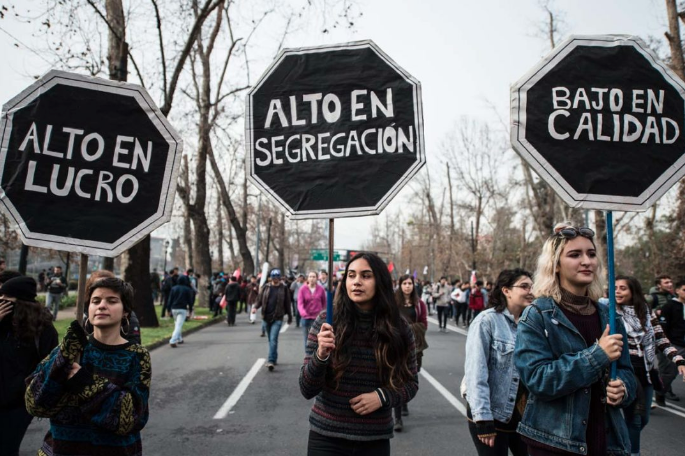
x: 564, y: 352
x: 359, y: 368
x: 94, y: 388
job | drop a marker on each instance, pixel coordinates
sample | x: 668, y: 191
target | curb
x: 203, y: 325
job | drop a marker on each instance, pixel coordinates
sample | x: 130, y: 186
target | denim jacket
x: 558, y: 369
x: 490, y: 379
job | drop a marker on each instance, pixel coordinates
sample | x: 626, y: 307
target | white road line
x: 284, y: 328
x: 239, y: 390
x: 670, y: 408
x: 442, y: 390
x: 450, y: 327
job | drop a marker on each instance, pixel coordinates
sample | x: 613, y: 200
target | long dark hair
x: 391, y: 350
x: 638, y: 298
x: 399, y: 294
x: 506, y: 279
x: 29, y: 319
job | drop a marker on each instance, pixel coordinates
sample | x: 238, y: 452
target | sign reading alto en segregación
x: 602, y: 120
x: 334, y: 131
x: 86, y: 164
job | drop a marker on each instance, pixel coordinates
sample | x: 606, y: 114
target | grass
x: 149, y: 335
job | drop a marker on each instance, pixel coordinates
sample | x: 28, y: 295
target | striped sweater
x: 100, y: 410
x: 661, y: 342
x: 331, y: 414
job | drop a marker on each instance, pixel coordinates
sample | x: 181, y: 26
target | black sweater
x: 674, y: 314
x: 18, y: 358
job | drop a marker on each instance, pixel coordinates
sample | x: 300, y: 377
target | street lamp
x: 166, y: 250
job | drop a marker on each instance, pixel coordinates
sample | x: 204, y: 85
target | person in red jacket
x: 415, y: 311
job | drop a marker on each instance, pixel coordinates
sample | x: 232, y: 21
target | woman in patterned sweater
x: 363, y: 369
x: 645, y: 337
x: 94, y: 388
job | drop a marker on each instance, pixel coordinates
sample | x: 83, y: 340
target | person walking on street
x: 476, y: 300
x: 441, y: 297
x: 274, y: 300
x: 311, y: 300
x: 232, y: 295
x: 94, y: 389
x: 170, y: 282
x: 673, y: 316
x: 27, y: 335
x: 490, y: 377
x: 57, y: 285
x: 252, y: 289
x: 181, y: 302
x: 564, y: 352
x: 645, y: 338
x: 414, y: 311
x: 359, y: 368
x: 295, y: 290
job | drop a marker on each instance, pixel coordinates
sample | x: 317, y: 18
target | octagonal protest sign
x: 601, y: 120
x: 334, y: 131
x: 86, y: 164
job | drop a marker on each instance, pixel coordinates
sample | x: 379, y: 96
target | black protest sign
x: 334, y: 131
x: 86, y: 164
x: 601, y: 119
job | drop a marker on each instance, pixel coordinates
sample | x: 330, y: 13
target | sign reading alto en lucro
x: 602, y: 120
x: 334, y: 131
x: 86, y: 164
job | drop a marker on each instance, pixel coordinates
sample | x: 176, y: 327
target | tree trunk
x: 601, y: 234
x: 135, y: 261
x: 219, y: 233
x: 187, y: 228
x: 281, y: 241
x: 23, y: 258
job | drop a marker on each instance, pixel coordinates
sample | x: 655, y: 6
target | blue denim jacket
x: 558, y: 368
x: 490, y: 379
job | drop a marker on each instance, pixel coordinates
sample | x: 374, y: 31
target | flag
x: 391, y: 267
x: 425, y: 270
x: 407, y: 273
x: 474, y: 279
x: 415, y: 274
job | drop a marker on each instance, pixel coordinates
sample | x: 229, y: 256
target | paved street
x: 191, y: 383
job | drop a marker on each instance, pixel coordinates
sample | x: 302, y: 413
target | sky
x: 465, y: 53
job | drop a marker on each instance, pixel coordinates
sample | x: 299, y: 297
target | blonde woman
x: 564, y: 351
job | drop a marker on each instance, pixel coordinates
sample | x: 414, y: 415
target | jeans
x: 272, y: 330
x: 13, y: 425
x: 442, y: 316
x: 306, y: 326
x: 53, y: 302
x: 321, y: 445
x: 637, y: 423
x: 504, y: 441
x: 462, y: 307
x: 179, y: 318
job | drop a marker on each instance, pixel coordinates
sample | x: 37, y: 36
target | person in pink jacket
x: 311, y: 300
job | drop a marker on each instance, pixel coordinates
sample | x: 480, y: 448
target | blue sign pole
x: 612, y: 281
x: 331, y: 291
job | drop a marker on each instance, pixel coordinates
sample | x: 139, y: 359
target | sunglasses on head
x: 572, y: 232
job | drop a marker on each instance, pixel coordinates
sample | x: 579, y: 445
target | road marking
x: 239, y: 390
x: 284, y: 328
x: 442, y: 390
x: 450, y: 327
x: 670, y: 408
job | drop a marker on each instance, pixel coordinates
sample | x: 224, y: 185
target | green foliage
x: 69, y: 301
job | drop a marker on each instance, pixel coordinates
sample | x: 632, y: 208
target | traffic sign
x: 334, y: 131
x: 602, y: 121
x: 86, y: 164
x: 322, y: 255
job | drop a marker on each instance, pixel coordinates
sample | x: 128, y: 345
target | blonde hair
x: 546, y: 278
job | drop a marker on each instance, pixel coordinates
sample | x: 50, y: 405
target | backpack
x: 476, y: 300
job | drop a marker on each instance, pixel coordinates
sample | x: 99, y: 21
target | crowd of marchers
x: 539, y: 352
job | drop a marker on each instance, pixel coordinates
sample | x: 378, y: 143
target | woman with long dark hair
x: 360, y: 367
x: 94, y: 388
x: 413, y: 310
x: 564, y: 352
x: 27, y: 335
x: 495, y: 397
x: 645, y: 337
